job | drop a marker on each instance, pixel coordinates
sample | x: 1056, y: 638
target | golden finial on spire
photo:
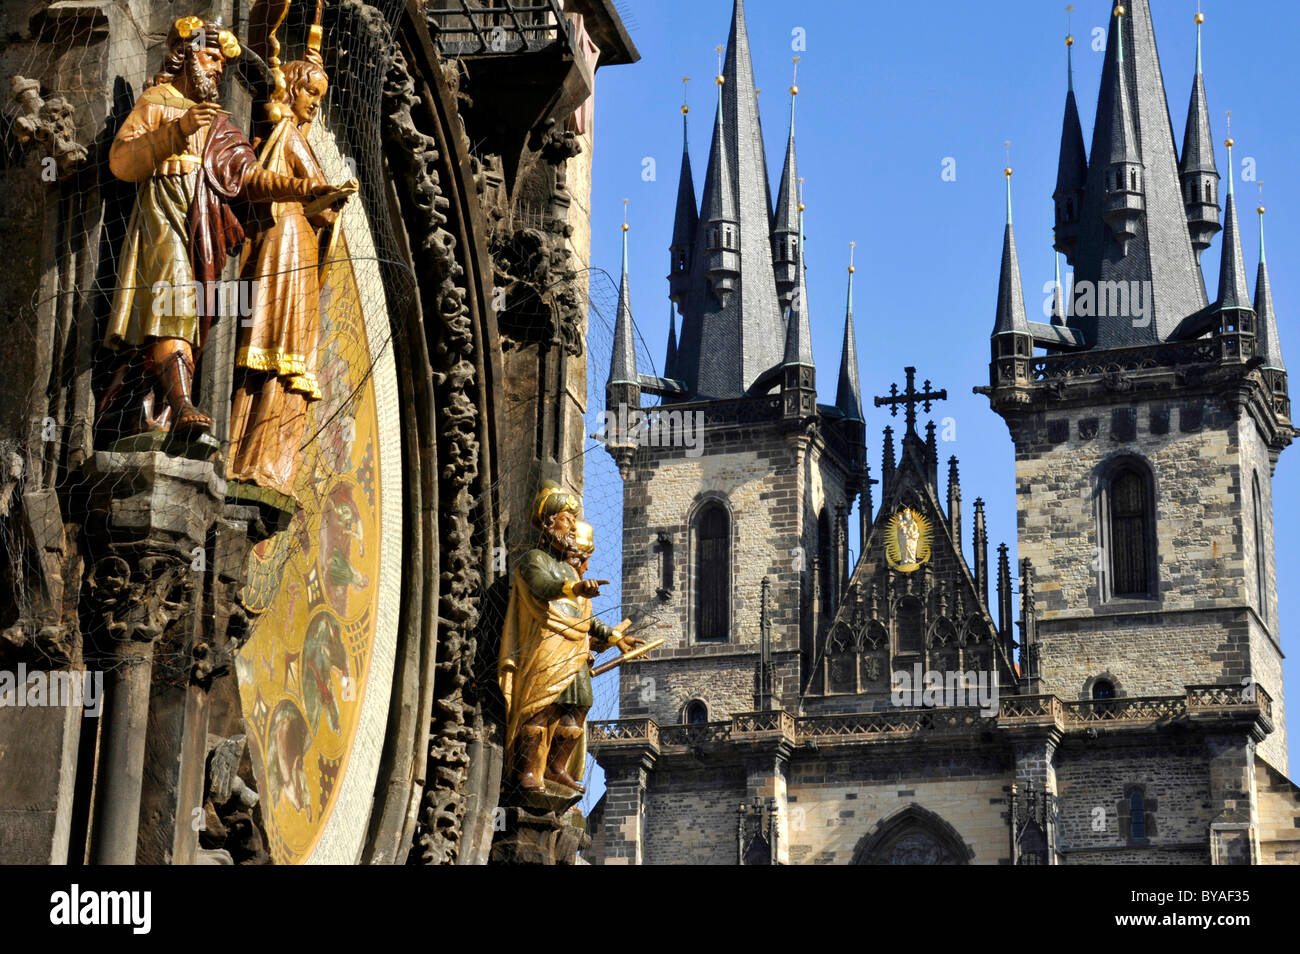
x: 625, y: 215
x: 1229, y: 142
x: 1119, y: 10
x: 686, y: 82
x: 1200, y: 17
x: 1008, y: 170
x: 719, y: 79
x: 1069, y: 19
x: 794, y: 83
x: 801, y: 205
x: 852, y: 246
x: 1260, y: 210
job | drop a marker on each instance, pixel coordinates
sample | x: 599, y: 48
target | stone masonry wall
x: 1197, y: 450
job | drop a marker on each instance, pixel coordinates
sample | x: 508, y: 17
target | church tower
x: 738, y: 489
x: 1148, y: 425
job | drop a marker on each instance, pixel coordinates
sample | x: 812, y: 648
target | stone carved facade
x: 133, y: 563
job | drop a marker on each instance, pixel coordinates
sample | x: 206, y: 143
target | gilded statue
x: 275, y: 357
x: 546, y: 645
x: 190, y: 163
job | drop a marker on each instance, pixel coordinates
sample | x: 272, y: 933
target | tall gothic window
x: 1261, y: 552
x: 826, y: 570
x: 1131, y: 542
x: 712, y: 574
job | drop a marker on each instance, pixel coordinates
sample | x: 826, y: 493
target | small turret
x: 1267, y: 331
x: 1013, y: 342
x: 1197, y: 170
x: 623, y: 389
x: 1072, y: 169
x: 785, y: 227
x: 799, y: 376
x: 720, y: 220
x: 686, y: 225
x: 1236, y: 313
x: 1124, y: 200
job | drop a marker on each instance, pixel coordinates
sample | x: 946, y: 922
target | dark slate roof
x: 724, y: 349
x: 787, y: 199
x: 1011, y: 294
x: 687, y: 222
x: 798, y: 327
x: 1072, y: 168
x: 622, y: 366
x: 1270, y: 344
x: 1161, y: 252
x: 1198, y: 146
x: 1233, y: 291
x: 848, y: 394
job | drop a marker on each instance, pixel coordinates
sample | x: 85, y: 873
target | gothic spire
x: 785, y: 227
x: 1234, y: 294
x: 1072, y: 168
x: 1269, y: 343
x: 848, y: 395
x: 686, y: 223
x: 1011, y: 296
x: 798, y: 329
x: 1133, y: 135
x: 731, y: 325
x: 1196, y: 169
x: 622, y: 367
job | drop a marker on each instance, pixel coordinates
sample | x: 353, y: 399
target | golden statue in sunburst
x: 907, y: 546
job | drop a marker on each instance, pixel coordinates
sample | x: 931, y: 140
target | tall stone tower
x: 737, y: 490
x: 1148, y: 418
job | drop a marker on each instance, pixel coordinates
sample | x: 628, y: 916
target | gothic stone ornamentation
x: 908, y: 546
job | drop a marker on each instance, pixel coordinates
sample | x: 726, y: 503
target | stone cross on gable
x: 910, y: 398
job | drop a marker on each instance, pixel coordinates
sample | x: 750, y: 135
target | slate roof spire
x: 622, y: 366
x: 1124, y: 202
x: 1234, y: 294
x: 798, y: 329
x: 686, y: 223
x: 785, y: 227
x: 1011, y: 295
x: 848, y: 394
x: 1269, y: 342
x: 1196, y: 169
x: 1072, y: 167
x: 729, y: 339
x: 1134, y: 133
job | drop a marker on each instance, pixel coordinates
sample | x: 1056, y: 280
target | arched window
x: 1209, y: 192
x: 712, y: 574
x: 1261, y: 551
x: 1103, y: 689
x: 1133, y: 178
x: 1131, y: 531
x: 697, y: 713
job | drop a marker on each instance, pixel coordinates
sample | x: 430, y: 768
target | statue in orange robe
x: 275, y: 357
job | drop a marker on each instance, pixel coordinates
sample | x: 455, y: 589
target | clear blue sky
x: 888, y: 91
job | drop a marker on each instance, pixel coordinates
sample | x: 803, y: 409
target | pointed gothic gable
x: 890, y: 621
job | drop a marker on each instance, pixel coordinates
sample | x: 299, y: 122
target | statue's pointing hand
x: 589, y: 588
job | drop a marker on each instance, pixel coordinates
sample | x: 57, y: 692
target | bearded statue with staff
x: 543, y: 668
